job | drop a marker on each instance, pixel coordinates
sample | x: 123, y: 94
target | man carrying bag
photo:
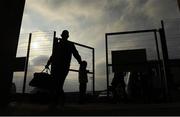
x: 60, y: 63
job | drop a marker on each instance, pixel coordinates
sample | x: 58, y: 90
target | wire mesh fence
x: 132, y: 41
x: 40, y: 51
x: 172, y: 31
x: 155, y: 45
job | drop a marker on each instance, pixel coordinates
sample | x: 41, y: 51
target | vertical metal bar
x: 26, y: 64
x: 93, y: 61
x: 157, y: 46
x: 107, y: 71
x: 158, y: 55
x: 159, y: 61
x: 54, y: 41
x: 165, y: 58
x: 165, y: 49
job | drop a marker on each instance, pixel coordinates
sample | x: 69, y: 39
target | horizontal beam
x: 82, y: 45
x: 127, y: 32
x: 74, y: 70
x: 79, y: 44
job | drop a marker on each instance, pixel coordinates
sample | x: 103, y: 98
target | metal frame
x: 73, y: 70
x: 128, y: 32
x: 166, y: 69
x: 26, y: 64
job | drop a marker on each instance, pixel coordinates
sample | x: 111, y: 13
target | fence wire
x: 40, y: 51
x: 131, y: 41
x: 172, y: 32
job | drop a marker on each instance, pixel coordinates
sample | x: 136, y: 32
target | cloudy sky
x: 89, y: 20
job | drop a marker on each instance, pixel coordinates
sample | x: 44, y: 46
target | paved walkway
x: 94, y: 109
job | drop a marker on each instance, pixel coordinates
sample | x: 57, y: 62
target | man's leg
x: 54, y: 98
x: 61, y: 94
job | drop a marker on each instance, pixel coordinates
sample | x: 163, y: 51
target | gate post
x: 26, y: 64
x: 166, y: 69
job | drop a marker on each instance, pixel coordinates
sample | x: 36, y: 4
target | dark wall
x: 11, y: 17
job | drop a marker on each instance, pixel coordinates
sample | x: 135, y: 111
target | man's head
x: 65, y: 34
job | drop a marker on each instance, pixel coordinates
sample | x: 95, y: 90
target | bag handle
x: 46, y: 70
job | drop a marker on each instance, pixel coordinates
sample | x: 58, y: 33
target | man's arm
x: 49, y: 62
x: 50, y: 59
x: 76, y: 54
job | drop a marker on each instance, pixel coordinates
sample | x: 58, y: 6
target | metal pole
x: 165, y: 58
x: 54, y: 41
x: 107, y: 71
x: 163, y: 39
x: 159, y: 62
x: 82, y: 45
x: 26, y: 64
x: 93, y: 61
x: 157, y: 46
x: 127, y: 32
x: 158, y: 55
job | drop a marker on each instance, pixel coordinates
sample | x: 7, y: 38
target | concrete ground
x: 103, y: 109
x: 31, y: 105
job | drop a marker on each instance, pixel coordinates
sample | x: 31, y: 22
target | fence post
x: 54, y: 41
x: 93, y: 60
x: 165, y: 62
x: 26, y: 64
x: 159, y: 59
x: 107, y: 70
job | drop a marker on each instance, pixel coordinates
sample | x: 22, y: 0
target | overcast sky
x: 89, y: 20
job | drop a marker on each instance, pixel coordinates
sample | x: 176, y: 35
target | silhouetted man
x: 60, y: 63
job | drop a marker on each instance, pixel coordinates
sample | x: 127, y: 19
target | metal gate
x: 151, y: 42
x: 36, y: 47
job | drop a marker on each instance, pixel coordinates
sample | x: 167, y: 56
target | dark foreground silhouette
x: 60, y: 63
